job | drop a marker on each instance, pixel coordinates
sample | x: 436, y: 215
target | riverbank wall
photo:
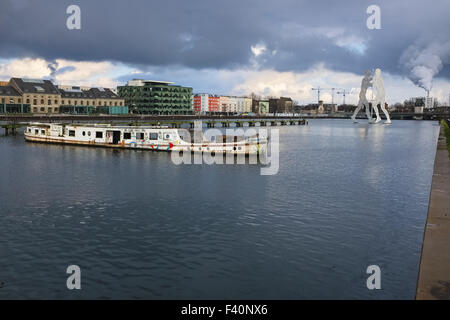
x: 434, y: 273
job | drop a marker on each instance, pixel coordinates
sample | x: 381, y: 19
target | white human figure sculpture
x: 380, y: 97
x: 365, y: 83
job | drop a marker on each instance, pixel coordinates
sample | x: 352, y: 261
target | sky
x: 266, y: 47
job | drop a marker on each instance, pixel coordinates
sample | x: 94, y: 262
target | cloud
x: 298, y: 85
x: 264, y: 82
x: 208, y: 34
x: 67, y: 72
x: 25, y: 68
x: 258, y: 49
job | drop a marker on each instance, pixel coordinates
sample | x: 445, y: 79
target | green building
x: 156, y: 97
x: 264, y: 106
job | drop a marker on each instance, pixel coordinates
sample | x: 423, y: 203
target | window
x: 56, y: 101
x: 126, y: 135
x: 3, y: 100
x: 43, y: 132
x: 63, y: 102
x: 167, y: 137
x: 99, y: 134
x: 42, y: 109
x: 140, y: 136
x: 36, y: 131
x: 34, y: 109
x: 42, y: 101
x: 154, y: 136
x: 56, y: 109
x: 50, y: 110
x: 71, y: 133
x: 35, y: 101
x: 84, y: 133
x: 89, y: 133
x: 49, y: 102
x: 28, y: 101
x: 20, y: 100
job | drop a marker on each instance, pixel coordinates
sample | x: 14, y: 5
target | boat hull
x: 214, y: 148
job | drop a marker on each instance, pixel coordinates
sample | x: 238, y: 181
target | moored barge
x: 156, y: 138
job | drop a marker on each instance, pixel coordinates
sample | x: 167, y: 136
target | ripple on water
x: 140, y: 227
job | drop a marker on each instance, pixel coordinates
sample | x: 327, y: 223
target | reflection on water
x: 346, y: 196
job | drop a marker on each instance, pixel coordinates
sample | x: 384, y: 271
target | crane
x: 318, y: 89
x: 344, y: 93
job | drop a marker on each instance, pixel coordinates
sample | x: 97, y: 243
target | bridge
x: 430, y: 115
x: 11, y: 123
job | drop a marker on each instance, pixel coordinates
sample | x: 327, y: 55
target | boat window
x: 154, y: 136
x: 89, y: 133
x: 127, y: 135
x: 36, y: 131
x: 84, y: 133
x: 166, y: 136
x: 71, y: 133
x: 99, y: 134
x: 140, y: 135
x: 42, y: 131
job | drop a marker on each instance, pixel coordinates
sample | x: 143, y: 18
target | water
x: 346, y: 196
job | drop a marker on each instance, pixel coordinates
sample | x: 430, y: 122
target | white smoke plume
x: 53, y: 66
x: 424, y: 62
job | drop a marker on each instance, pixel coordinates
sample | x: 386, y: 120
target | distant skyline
x: 276, y: 48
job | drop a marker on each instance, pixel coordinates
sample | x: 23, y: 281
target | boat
x: 156, y: 138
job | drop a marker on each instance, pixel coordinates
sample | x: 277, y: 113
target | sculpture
x: 365, y: 84
x: 377, y: 83
x: 380, y: 98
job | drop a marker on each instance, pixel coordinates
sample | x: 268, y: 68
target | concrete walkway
x: 434, y: 273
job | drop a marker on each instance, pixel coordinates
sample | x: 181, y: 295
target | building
x: 213, y: 103
x: 156, y: 97
x: 263, y: 106
x: 248, y: 104
x: 240, y: 104
x: 41, y: 95
x: 204, y: 102
x: 224, y: 104
x: 281, y: 105
x: 85, y: 100
x: 426, y: 102
x: 11, y: 101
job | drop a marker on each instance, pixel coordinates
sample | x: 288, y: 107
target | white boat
x: 157, y: 138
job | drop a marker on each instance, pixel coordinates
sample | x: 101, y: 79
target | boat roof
x: 99, y: 125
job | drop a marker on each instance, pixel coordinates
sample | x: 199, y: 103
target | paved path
x: 434, y: 274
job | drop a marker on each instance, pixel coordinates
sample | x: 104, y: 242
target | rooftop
x: 142, y: 82
x: 8, y: 91
x: 34, y: 86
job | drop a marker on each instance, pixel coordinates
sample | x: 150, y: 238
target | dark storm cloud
x: 219, y: 34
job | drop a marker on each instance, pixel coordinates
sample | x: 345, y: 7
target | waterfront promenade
x: 434, y: 274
